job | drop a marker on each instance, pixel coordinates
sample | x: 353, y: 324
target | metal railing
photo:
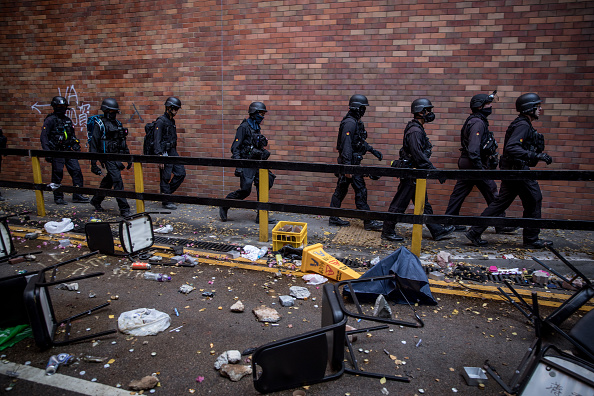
x: 263, y: 205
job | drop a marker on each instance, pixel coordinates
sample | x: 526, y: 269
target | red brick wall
x: 304, y: 58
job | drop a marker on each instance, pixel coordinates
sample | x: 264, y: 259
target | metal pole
x: 417, y: 233
x: 138, y: 186
x: 38, y: 180
x: 263, y: 197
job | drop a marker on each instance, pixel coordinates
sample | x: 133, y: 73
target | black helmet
x: 480, y: 99
x: 256, y: 107
x: 110, y: 104
x: 527, y: 102
x: 173, y: 102
x: 59, y: 101
x: 357, y: 101
x: 418, y: 105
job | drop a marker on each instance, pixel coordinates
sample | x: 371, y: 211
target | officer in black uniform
x: 523, y: 148
x: 352, y: 146
x: 415, y: 153
x: 109, y: 136
x: 478, y: 151
x: 249, y: 143
x: 58, y: 134
x: 165, y: 144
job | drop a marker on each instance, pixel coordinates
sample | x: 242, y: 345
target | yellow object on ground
x: 289, y: 233
x: 315, y: 259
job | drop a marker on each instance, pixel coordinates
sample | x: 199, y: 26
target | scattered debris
x: 57, y: 360
x: 300, y: 293
x: 286, y: 301
x: 314, y: 279
x: 237, y: 307
x: 232, y: 356
x: 381, y: 308
x: 143, y: 322
x: 186, y: 289
x: 235, y: 372
x: 145, y: 383
x: 266, y: 314
x: 164, y: 230
x: 55, y: 227
x: 68, y: 286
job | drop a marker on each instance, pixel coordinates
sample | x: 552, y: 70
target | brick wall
x: 304, y: 58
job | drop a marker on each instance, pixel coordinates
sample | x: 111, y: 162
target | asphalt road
x: 458, y: 332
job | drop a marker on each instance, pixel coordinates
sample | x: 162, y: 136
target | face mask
x: 258, y: 118
x: 486, y: 111
x: 60, y: 111
x: 429, y: 117
x: 362, y: 111
x: 111, y: 115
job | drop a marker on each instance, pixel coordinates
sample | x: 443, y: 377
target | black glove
x: 129, y: 165
x: 49, y: 159
x: 372, y: 177
x: 96, y: 170
x: 265, y: 154
x: 442, y: 179
x: 377, y: 154
x: 545, y: 158
x: 120, y: 166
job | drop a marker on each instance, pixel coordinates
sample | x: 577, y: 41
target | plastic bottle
x: 263, y: 251
x: 157, y: 277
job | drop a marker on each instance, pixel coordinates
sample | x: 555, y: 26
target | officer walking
x: 415, y: 153
x: 165, y: 143
x: 249, y: 143
x: 109, y: 136
x: 478, y: 151
x: 523, y: 148
x: 352, y: 146
x: 58, y: 134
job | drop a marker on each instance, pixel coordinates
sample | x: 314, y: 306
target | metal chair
x: 135, y: 233
x: 40, y: 311
x: 317, y: 356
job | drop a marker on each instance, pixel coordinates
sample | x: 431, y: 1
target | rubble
x: 235, y: 372
x: 145, y: 383
x: 266, y: 314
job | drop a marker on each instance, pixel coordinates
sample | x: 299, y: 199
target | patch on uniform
x: 477, y: 133
x: 237, y: 140
x: 348, y: 133
x: 521, y: 140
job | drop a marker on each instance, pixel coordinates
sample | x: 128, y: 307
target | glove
x: 265, y: 154
x: 49, y: 159
x: 372, y: 177
x: 96, y: 170
x: 121, y: 166
x: 545, y: 158
x: 129, y: 165
x: 442, y: 179
x: 377, y: 154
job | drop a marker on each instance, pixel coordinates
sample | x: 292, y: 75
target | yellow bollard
x: 263, y: 175
x: 138, y: 186
x: 417, y: 233
x: 37, y: 179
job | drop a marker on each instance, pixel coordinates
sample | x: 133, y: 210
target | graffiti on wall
x: 78, y: 111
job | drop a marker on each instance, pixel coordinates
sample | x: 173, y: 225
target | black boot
x: 444, y: 232
x: 475, y: 239
x: 373, y: 225
x: 223, y: 213
x: 337, y: 221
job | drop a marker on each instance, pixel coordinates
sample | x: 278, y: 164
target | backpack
x: 148, y: 147
x: 90, y: 122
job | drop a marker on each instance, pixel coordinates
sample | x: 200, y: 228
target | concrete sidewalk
x: 352, y: 245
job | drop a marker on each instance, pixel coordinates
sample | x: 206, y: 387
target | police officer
x: 165, y: 143
x: 58, y: 134
x: 352, y: 146
x: 249, y: 143
x: 478, y: 151
x: 109, y: 136
x: 415, y: 153
x: 523, y: 148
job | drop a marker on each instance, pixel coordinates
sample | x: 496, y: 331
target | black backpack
x: 148, y: 148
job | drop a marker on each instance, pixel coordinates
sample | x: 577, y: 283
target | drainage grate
x: 214, y: 246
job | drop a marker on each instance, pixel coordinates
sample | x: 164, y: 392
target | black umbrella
x: 411, y: 284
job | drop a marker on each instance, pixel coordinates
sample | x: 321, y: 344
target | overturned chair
x: 318, y: 356
x: 31, y: 304
x: 545, y: 367
x: 135, y: 233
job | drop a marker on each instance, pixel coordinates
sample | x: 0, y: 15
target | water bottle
x: 263, y: 251
x: 157, y: 277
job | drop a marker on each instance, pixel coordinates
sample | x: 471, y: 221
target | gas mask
x: 111, y: 115
x: 258, y: 118
x: 60, y: 110
x: 486, y: 111
x: 429, y: 117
